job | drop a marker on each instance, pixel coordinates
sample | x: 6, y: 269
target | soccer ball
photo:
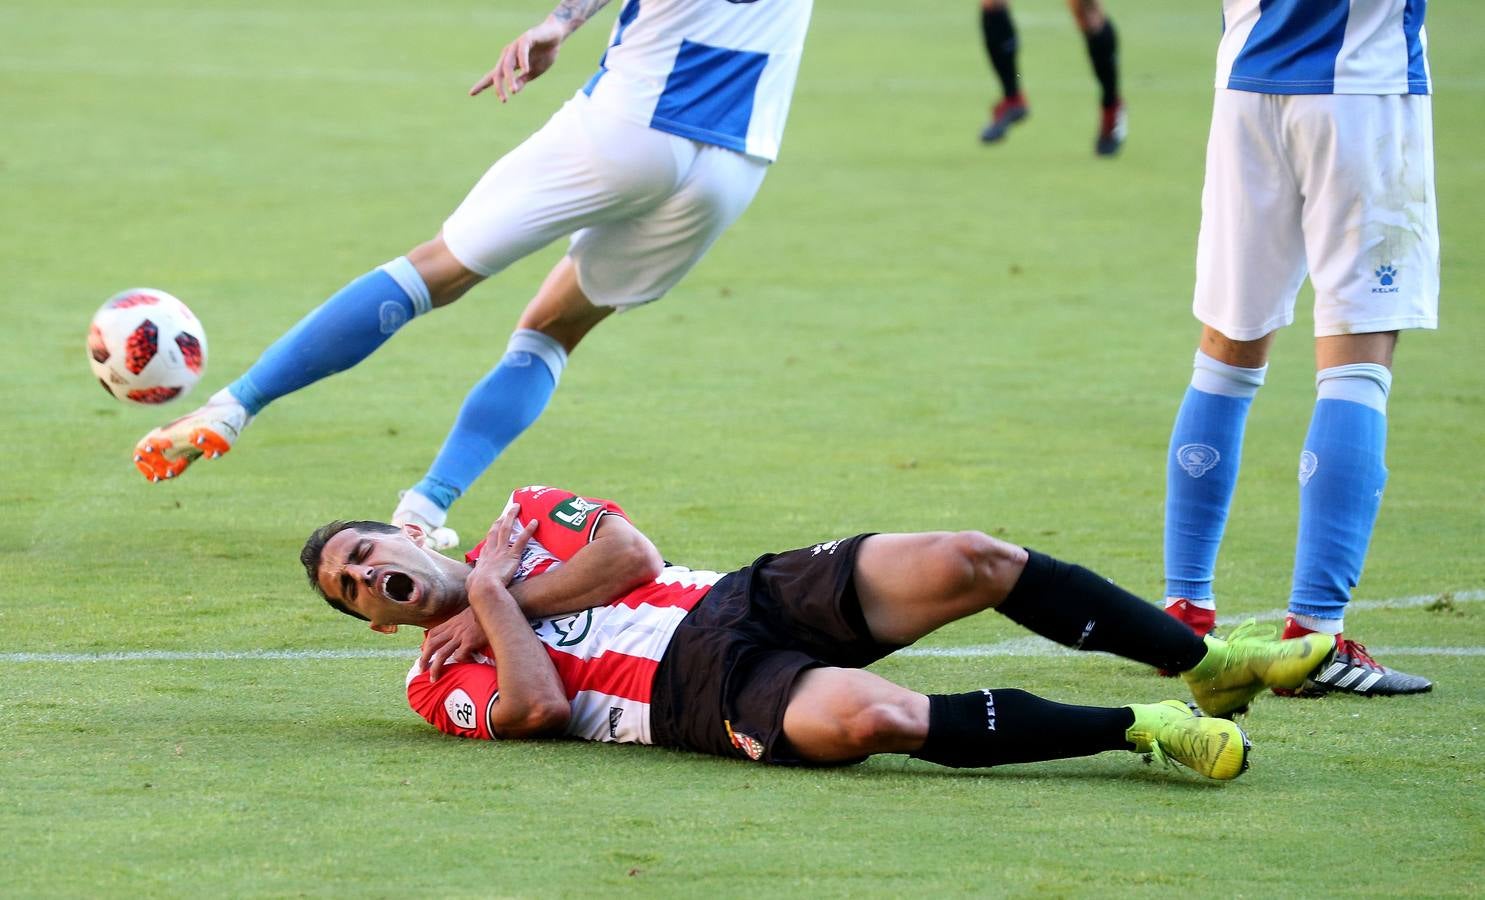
x: 146, y: 346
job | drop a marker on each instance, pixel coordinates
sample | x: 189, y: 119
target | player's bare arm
x: 531, y: 54
x: 532, y: 701
x: 618, y: 559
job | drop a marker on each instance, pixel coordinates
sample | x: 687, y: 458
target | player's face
x: 392, y: 579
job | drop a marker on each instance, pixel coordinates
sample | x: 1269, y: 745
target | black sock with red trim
x: 1084, y: 611
x: 1103, y: 52
x: 992, y: 728
x: 1000, y: 45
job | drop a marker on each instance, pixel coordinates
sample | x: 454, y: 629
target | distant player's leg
x: 1103, y: 53
x: 341, y: 332
x: 618, y: 263
x: 1370, y: 229
x: 909, y: 585
x: 841, y: 715
x: 1250, y: 263
x: 1001, y: 44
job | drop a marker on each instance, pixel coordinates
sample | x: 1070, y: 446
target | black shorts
x: 724, y: 681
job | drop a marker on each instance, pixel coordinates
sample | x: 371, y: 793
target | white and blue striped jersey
x: 717, y: 71
x: 1324, y: 47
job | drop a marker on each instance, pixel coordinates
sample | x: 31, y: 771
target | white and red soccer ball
x: 146, y: 346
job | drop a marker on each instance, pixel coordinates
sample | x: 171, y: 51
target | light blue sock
x: 1206, y: 447
x: 341, y: 332
x: 496, y: 411
x: 1342, y: 473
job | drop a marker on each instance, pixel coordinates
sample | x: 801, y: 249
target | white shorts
x: 1339, y: 186
x: 642, y: 206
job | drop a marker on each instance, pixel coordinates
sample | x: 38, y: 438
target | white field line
x: 1024, y: 646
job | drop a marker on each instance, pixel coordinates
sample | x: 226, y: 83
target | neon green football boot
x: 1171, y: 732
x: 1249, y: 661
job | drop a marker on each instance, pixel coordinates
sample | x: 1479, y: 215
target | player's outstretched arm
x: 531, y: 54
x: 532, y: 702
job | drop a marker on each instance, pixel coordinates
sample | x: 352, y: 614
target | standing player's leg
x: 1202, y: 464
x: 1103, y: 53
x: 909, y: 585
x: 1342, y: 473
x: 1001, y: 44
x: 619, y: 263
x: 1365, y: 164
x: 1250, y: 263
x: 841, y: 715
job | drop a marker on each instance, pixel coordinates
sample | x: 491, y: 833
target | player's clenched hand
x: 523, y: 59
x: 452, y: 641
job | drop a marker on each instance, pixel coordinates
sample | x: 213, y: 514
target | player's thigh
x: 1370, y: 219
x: 910, y: 585
x: 583, y: 167
x: 629, y: 261
x: 839, y: 715
x: 1250, y: 259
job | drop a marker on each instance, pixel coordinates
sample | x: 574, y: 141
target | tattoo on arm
x: 573, y: 13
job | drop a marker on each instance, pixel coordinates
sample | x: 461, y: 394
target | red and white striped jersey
x: 606, y: 657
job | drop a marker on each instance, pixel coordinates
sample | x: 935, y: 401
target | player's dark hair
x: 314, y: 548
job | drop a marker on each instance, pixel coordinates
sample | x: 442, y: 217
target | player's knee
x: 1088, y: 13
x: 446, y: 278
x: 973, y: 558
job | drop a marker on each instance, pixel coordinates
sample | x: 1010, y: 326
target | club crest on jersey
x: 529, y: 559
x: 574, y: 512
x: 1197, y: 459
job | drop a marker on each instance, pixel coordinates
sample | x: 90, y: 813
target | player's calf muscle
x: 841, y: 714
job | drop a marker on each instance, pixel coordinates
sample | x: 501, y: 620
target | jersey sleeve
x: 565, y: 522
x: 459, y: 703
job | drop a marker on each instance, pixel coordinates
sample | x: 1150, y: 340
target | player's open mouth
x: 398, y: 587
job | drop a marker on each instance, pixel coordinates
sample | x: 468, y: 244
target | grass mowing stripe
x: 1027, y: 646
x: 1395, y: 603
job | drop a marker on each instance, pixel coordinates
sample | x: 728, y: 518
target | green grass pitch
x: 906, y: 331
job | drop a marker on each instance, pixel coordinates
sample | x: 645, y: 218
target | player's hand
x: 503, y: 549
x: 455, y: 640
x: 522, y: 60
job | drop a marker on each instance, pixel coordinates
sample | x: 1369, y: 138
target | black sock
x: 1079, y: 609
x: 1000, y: 44
x: 992, y: 728
x: 1103, y: 51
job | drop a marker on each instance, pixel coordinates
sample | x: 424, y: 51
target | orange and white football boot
x: 208, y: 432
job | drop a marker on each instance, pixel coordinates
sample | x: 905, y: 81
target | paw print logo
x: 1386, y: 275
